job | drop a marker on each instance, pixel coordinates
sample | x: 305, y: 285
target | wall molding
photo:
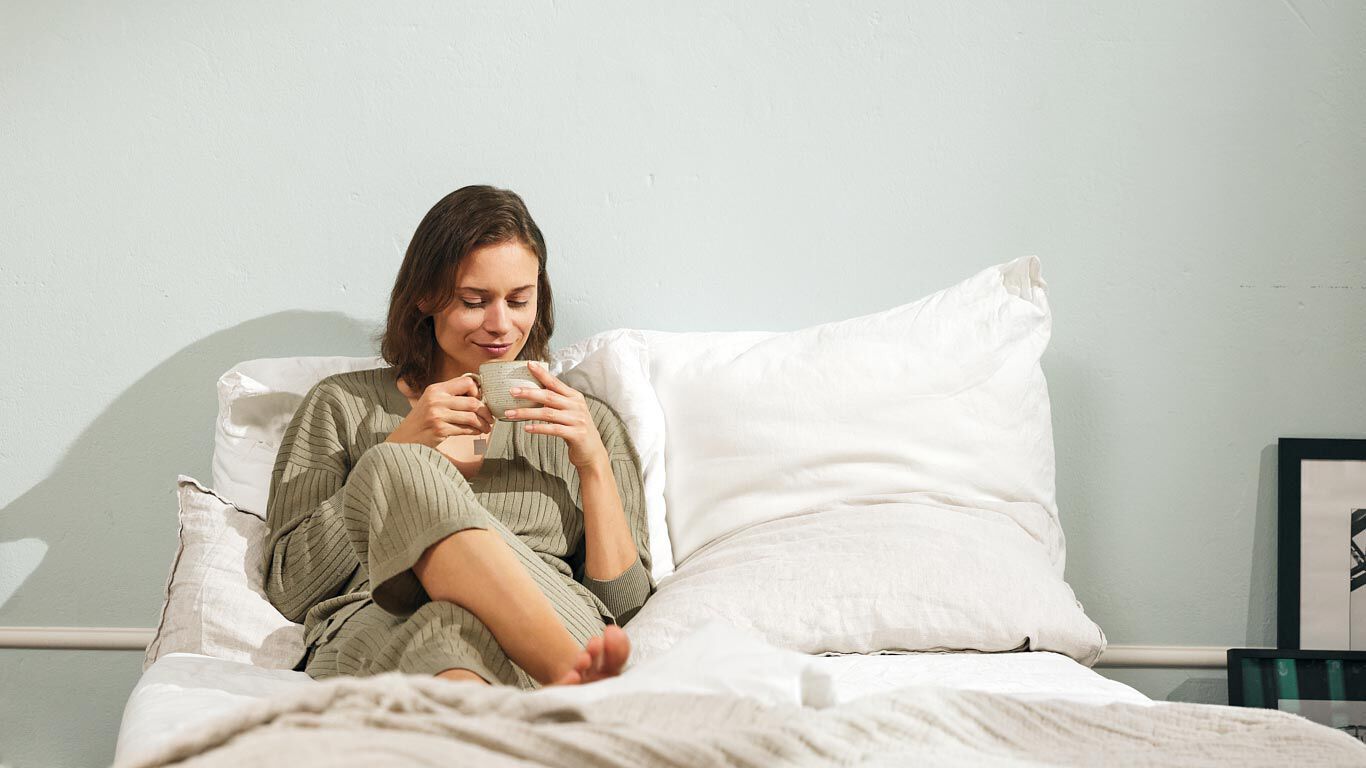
x: 77, y: 638
x: 136, y: 639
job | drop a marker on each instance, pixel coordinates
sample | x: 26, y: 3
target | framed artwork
x: 1321, y: 546
x: 1328, y: 687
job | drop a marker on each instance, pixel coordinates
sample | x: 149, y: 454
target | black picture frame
x: 1291, y: 451
x: 1328, y: 687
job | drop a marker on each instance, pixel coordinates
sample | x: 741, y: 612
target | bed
x: 869, y: 572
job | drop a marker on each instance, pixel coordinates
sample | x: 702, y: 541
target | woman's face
x: 493, y: 310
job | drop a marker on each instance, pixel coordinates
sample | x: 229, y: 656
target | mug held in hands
x: 495, y: 379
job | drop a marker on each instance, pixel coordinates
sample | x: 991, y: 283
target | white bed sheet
x: 183, y: 689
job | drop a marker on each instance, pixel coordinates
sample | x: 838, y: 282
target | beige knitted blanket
x: 396, y: 719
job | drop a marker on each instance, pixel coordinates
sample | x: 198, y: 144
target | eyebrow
x: 485, y: 290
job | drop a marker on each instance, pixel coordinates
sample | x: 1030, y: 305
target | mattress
x: 183, y: 689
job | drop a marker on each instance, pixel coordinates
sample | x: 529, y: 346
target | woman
x: 410, y: 531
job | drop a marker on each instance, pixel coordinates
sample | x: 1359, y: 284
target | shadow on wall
x: 107, y: 512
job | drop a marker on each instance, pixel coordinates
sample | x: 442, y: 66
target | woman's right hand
x: 444, y: 409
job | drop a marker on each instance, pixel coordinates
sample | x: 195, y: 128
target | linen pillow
x: 256, y: 400
x: 942, y: 395
x: 614, y: 366
x: 910, y: 572
x: 215, y: 592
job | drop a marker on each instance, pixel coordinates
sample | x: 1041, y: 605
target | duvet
x: 396, y: 719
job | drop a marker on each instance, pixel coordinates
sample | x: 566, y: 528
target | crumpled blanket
x: 397, y: 719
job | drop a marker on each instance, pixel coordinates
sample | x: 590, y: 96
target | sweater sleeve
x: 625, y: 594
x: 309, y: 557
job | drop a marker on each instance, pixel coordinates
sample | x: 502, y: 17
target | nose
x: 496, y: 320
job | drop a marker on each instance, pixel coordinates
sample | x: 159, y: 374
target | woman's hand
x: 566, y: 412
x: 444, y: 409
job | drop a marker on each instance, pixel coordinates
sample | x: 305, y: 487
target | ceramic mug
x: 496, y: 378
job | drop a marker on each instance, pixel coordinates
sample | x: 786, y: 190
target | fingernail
x: 516, y: 390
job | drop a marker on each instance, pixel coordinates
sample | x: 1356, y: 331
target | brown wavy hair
x: 463, y: 221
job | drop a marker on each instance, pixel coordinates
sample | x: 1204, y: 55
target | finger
x: 464, y: 422
x: 553, y: 415
x: 463, y: 403
x: 548, y: 379
x: 539, y: 428
x: 460, y: 385
x: 541, y: 396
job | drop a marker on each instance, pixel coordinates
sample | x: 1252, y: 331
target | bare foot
x: 603, y: 658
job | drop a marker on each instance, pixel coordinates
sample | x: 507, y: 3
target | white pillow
x: 256, y: 400
x: 614, y: 366
x: 943, y: 395
x: 215, y: 593
x: 915, y: 572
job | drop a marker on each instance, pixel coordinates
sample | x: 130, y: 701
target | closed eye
x: 477, y: 305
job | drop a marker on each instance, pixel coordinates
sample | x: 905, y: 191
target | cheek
x: 528, y: 317
x: 457, y: 324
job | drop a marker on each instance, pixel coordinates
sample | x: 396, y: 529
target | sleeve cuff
x: 623, y: 595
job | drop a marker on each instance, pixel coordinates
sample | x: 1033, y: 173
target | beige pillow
x: 215, y: 596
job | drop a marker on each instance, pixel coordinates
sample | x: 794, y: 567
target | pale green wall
x: 188, y: 185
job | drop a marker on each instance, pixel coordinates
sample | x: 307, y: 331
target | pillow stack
x: 880, y: 483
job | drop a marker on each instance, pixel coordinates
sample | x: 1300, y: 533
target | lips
x: 496, y: 349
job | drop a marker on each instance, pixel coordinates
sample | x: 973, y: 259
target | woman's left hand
x: 565, y: 413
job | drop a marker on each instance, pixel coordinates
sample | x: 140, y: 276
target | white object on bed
x: 183, y: 690
x: 942, y: 395
x: 912, y: 572
x: 215, y: 601
x: 256, y: 400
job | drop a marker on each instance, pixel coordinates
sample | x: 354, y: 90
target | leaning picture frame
x: 1321, y: 544
x: 1328, y: 687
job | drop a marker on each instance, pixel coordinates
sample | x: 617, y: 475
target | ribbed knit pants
x: 400, y: 499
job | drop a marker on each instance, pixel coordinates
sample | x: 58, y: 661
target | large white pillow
x: 943, y: 395
x: 215, y: 601
x: 614, y: 366
x: 256, y: 400
x: 910, y: 572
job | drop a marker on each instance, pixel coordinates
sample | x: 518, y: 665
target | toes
x: 597, y: 652
x: 617, y: 647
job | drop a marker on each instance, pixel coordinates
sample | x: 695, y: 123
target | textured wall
x: 190, y: 186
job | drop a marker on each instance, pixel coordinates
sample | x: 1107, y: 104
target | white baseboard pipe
x: 77, y: 638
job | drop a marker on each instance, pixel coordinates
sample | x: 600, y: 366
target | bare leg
x: 476, y: 569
